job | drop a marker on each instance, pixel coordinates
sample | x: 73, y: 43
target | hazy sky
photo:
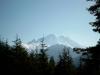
x: 33, y: 18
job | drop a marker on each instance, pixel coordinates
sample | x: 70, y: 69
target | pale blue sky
x: 33, y: 18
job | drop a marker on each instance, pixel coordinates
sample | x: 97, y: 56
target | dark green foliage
x: 95, y: 10
x: 15, y: 60
x: 90, y: 58
x: 64, y: 65
x: 90, y: 61
x: 51, y: 66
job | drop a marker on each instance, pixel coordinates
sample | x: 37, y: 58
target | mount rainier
x: 55, y: 46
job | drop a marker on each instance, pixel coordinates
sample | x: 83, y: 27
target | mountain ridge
x: 55, y: 46
x: 52, y: 40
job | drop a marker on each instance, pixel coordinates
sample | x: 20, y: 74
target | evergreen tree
x: 5, y: 55
x: 43, y: 58
x: 51, y: 66
x: 20, y: 58
x: 95, y: 10
x: 93, y: 62
x: 64, y: 66
x: 90, y: 61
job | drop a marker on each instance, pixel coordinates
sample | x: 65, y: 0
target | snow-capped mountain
x: 55, y: 46
x: 52, y: 40
x: 57, y: 49
x: 69, y: 42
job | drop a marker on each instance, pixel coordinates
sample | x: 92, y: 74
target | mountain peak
x: 55, y: 45
x: 52, y: 39
x: 49, y: 39
x: 69, y: 42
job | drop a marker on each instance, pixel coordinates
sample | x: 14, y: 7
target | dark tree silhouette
x: 52, y: 66
x: 64, y: 65
x: 43, y: 58
x: 90, y: 58
x: 95, y: 10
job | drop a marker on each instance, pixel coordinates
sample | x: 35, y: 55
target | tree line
x: 15, y: 59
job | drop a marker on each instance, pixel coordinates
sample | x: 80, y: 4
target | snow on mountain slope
x: 55, y: 46
x: 52, y: 40
x: 49, y: 40
x: 68, y: 42
x: 57, y: 49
